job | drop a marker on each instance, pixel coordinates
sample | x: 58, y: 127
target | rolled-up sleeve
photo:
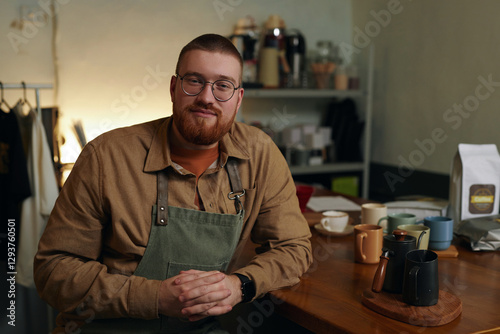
x: 68, y: 271
x: 280, y: 230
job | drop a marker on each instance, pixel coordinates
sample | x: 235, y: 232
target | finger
x: 213, y: 311
x: 197, y: 309
x: 205, y: 277
x: 189, y: 275
x: 194, y: 274
x: 193, y: 271
x: 196, y: 317
x: 216, y: 295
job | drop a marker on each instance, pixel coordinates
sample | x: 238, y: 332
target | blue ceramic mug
x: 441, y: 233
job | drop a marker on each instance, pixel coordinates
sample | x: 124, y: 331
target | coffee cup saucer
x: 347, y: 230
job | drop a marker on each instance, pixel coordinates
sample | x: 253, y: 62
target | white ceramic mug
x: 334, y: 221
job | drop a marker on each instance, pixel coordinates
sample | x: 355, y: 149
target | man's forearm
x: 88, y: 291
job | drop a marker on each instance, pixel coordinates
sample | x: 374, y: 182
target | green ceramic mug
x: 396, y: 219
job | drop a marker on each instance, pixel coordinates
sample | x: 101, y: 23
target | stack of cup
x: 441, y: 232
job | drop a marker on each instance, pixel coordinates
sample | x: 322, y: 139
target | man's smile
x: 203, y: 112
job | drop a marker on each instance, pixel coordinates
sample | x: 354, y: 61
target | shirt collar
x: 158, y: 157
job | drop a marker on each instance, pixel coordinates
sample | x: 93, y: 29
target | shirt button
x: 162, y: 221
x: 162, y: 208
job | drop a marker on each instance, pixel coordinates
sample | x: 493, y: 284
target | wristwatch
x: 247, y: 288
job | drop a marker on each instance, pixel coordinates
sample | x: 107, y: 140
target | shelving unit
x: 363, y: 96
x: 301, y: 93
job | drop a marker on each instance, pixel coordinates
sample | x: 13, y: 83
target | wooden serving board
x: 391, y: 305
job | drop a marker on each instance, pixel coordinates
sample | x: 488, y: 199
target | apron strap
x: 236, y: 186
x: 162, y: 199
x: 237, y: 191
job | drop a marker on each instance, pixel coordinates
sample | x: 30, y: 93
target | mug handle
x: 420, y: 239
x: 381, y: 219
x: 323, y: 223
x: 413, y: 276
x: 359, y: 245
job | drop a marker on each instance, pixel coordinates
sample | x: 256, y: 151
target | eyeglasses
x: 192, y: 85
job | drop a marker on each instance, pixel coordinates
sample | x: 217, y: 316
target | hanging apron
x: 182, y: 239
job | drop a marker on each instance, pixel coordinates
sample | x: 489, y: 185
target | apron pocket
x: 174, y: 268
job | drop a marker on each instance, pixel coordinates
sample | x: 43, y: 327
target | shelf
x: 328, y: 168
x: 300, y: 93
x: 365, y: 99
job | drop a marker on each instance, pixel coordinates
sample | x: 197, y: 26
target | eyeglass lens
x: 223, y: 90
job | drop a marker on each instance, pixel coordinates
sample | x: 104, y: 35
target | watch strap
x: 247, y: 288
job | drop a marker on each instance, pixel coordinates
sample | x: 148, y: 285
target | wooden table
x: 329, y: 297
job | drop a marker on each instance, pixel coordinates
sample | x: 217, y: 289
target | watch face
x: 248, y: 289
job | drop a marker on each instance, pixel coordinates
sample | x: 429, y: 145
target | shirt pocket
x: 251, y: 205
x: 248, y: 202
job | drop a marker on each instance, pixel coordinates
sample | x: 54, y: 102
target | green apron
x: 182, y: 239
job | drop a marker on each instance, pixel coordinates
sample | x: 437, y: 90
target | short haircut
x: 210, y: 43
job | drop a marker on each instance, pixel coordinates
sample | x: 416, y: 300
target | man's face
x: 202, y: 119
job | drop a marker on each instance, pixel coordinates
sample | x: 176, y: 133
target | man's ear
x: 240, y: 97
x: 173, y: 81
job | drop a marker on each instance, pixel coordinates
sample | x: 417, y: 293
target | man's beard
x: 195, y: 130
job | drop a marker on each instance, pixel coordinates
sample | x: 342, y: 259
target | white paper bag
x: 475, y: 182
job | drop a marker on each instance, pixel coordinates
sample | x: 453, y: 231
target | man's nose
x: 206, y: 93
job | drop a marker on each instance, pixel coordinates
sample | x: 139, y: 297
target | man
x: 146, y: 232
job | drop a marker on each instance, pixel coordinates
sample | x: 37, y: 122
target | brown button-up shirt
x: 99, y: 228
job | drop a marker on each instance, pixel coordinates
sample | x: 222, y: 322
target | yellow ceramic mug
x: 416, y: 231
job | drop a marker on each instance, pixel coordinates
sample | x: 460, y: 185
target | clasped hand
x: 197, y: 294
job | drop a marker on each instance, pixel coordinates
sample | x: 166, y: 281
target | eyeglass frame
x: 177, y: 75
